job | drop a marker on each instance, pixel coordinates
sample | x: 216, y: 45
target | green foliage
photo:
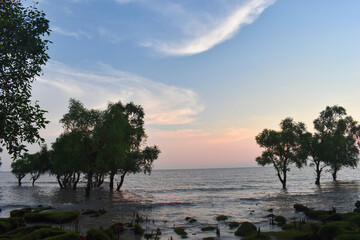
x: 23, y: 52
x: 283, y: 148
x: 222, y: 218
x: 245, y: 229
x: 208, y: 228
x: 52, y: 217
x: 336, y: 135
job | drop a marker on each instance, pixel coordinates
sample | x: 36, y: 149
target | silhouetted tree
x: 336, y: 137
x: 23, y: 52
x: 38, y: 163
x: 283, y: 148
x: 20, y: 167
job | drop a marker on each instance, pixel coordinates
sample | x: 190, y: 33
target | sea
x: 166, y: 197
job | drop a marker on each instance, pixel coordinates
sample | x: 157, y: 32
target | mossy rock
x: 117, y: 227
x: 333, y: 229
x: 138, y: 229
x: 208, y: 238
x: 245, y: 229
x: 94, y: 213
x: 222, y: 218
x: 280, y: 220
x: 357, y: 204
x: 233, y: 225
x: 96, y: 234
x: 317, y: 214
x: 19, y: 232
x: 187, y: 218
x: 348, y: 237
x: 334, y: 217
x: 52, y: 217
x: 208, y: 228
x: 19, y: 212
x: 300, y: 208
x: 192, y: 220
x: 180, y: 231
x: 40, y: 209
x: 357, y: 210
x: 65, y: 236
x: 9, y: 224
x: 42, y: 233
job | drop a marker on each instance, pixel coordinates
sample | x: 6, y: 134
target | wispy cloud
x: 210, y: 31
x: 109, y: 35
x: 77, y: 35
x: 163, y: 104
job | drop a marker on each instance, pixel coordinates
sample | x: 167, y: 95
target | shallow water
x: 168, y: 196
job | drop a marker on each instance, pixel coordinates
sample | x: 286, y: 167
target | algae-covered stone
x: 208, y: 228
x: 222, y: 218
x: 233, y: 225
x: 96, y: 234
x: 357, y: 204
x: 348, y: 237
x: 19, y: 212
x: 52, y: 217
x: 138, y: 229
x: 180, y: 231
x: 65, y: 236
x: 42, y: 233
x: 280, y: 220
x: 300, y: 208
x: 208, y: 238
x: 245, y: 229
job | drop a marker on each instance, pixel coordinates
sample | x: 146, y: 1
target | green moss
x: 208, y: 228
x: 94, y: 213
x: 317, y: 214
x: 348, y: 237
x: 9, y: 224
x: 52, y: 217
x: 138, y: 229
x: 65, y: 236
x: 300, y: 208
x: 233, y: 225
x: 287, y: 235
x: 96, y: 234
x: 148, y: 235
x: 42, y: 233
x: 208, y: 238
x: 180, y: 231
x: 19, y: 212
x: 40, y: 209
x: 280, y: 220
x: 222, y: 218
x: 245, y: 229
x: 117, y: 227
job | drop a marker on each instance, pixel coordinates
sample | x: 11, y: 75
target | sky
x: 210, y: 74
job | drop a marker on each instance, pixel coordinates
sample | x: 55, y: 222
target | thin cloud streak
x: 163, y: 104
x: 77, y: 35
x: 213, y: 35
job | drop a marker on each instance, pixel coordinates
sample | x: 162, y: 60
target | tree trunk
x: 111, y: 183
x: 284, y: 179
x: 19, y: 180
x: 76, y: 180
x: 59, y: 181
x: 318, y: 173
x: 334, y: 174
x: 89, y: 184
x: 121, y: 181
x: 34, y: 178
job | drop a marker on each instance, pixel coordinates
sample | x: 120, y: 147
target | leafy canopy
x: 23, y: 52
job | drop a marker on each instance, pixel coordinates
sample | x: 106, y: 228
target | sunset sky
x: 210, y: 74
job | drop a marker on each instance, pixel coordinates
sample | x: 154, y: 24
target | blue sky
x: 210, y: 74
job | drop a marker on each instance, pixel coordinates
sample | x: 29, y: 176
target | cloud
x: 109, y: 35
x: 77, y: 35
x: 163, y: 104
x: 200, y: 35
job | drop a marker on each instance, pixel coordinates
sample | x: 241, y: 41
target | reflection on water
x: 167, y: 197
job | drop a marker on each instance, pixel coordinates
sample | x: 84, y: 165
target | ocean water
x: 166, y: 197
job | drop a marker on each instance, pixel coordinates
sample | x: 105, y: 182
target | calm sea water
x: 168, y: 196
